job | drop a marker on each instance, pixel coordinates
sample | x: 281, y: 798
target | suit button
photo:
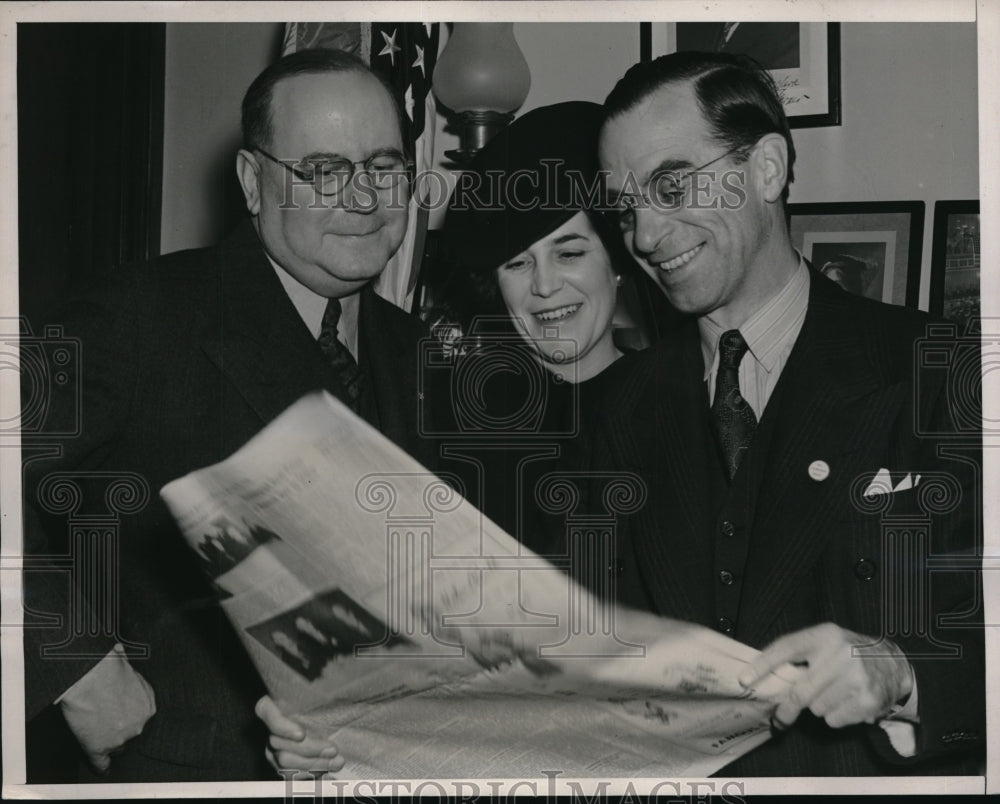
x: 726, y: 578
x: 725, y: 625
x: 727, y: 529
x: 864, y: 570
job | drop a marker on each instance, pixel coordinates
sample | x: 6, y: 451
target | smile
x: 681, y: 259
x: 365, y: 227
x: 558, y: 314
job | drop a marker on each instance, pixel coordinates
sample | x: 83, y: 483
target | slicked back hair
x: 256, y: 119
x: 737, y: 97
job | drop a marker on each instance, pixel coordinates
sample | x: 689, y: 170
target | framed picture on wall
x: 955, y: 261
x: 802, y: 57
x: 870, y: 248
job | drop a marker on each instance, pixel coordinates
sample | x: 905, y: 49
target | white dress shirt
x: 770, y: 333
x: 311, y: 306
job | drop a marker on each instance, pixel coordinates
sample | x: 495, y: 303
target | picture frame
x: 872, y: 248
x: 955, y: 263
x: 802, y: 57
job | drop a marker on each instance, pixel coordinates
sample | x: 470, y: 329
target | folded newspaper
x: 381, y: 607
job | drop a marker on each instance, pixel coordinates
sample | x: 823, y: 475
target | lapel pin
x: 819, y: 470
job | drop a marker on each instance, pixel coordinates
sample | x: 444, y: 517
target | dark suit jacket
x: 856, y: 394
x: 182, y: 361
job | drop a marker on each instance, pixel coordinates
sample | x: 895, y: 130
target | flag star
x: 391, y: 48
x: 420, y: 60
x: 427, y: 27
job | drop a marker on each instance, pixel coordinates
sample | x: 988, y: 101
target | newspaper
x: 384, y: 609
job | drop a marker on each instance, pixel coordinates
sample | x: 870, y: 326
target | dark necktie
x: 734, y: 419
x: 340, y: 357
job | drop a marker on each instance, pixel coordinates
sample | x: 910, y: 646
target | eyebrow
x: 566, y: 238
x: 318, y: 155
x: 667, y: 165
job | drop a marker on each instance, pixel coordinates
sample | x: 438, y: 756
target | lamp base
x: 475, y: 129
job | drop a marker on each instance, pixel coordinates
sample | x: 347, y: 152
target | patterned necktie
x: 340, y: 357
x: 734, y: 419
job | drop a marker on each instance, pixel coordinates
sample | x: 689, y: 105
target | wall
x: 208, y: 68
x: 909, y: 125
x: 909, y: 122
x: 568, y: 61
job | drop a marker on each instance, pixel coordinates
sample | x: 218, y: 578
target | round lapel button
x: 819, y: 470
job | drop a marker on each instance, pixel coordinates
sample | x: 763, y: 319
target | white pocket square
x: 882, y: 484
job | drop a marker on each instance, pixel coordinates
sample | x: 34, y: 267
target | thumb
x: 793, y: 647
x: 100, y: 761
x: 277, y: 722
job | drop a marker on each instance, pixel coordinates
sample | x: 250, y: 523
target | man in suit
x: 182, y: 361
x: 784, y: 435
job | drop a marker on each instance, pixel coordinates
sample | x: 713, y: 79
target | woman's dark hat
x: 528, y: 181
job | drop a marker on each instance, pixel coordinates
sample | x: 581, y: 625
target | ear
x: 772, y: 151
x: 248, y: 172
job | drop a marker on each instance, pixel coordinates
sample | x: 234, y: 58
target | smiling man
x: 779, y: 434
x: 186, y: 358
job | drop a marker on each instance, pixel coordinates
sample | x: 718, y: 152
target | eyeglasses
x: 665, y: 192
x: 329, y: 177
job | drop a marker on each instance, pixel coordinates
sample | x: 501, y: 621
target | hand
x: 108, y: 707
x: 848, y: 679
x: 290, y: 747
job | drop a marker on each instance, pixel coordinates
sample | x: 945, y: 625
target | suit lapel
x: 262, y: 346
x: 667, y: 445
x: 268, y: 354
x: 824, y: 408
x: 388, y: 350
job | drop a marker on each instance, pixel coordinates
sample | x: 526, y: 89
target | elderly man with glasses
x: 182, y: 361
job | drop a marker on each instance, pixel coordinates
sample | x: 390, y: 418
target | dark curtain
x: 90, y: 154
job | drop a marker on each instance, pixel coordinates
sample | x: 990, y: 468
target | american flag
x: 404, y: 54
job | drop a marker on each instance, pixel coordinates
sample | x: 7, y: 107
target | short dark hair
x: 737, y: 97
x: 255, y: 117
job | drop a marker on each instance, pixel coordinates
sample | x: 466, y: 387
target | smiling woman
x: 526, y: 242
x: 560, y: 293
x: 535, y: 272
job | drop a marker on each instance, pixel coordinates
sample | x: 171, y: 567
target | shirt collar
x: 309, y: 304
x: 767, y: 329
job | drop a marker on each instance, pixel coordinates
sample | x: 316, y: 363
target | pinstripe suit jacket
x: 864, y: 389
x: 182, y: 361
